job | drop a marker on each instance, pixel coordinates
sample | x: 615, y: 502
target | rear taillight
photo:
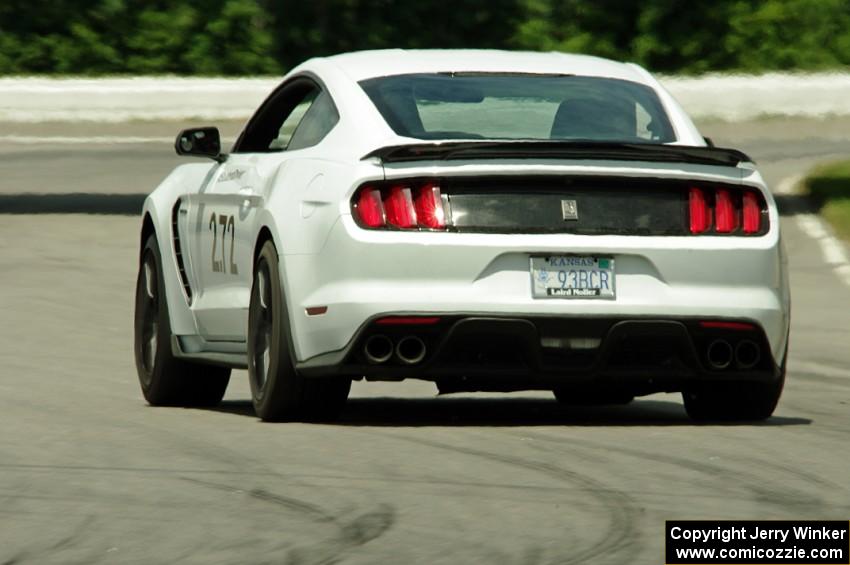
x: 725, y: 210
x: 699, y: 210
x: 399, y: 206
x: 370, y: 208
x: 752, y: 213
x: 412, y: 205
x: 429, y: 207
x: 725, y: 213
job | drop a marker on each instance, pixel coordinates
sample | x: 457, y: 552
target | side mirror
x: 201, y: 142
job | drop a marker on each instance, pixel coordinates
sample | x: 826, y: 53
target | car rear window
x: 519, y: 106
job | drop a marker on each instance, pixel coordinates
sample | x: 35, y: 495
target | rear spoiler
x: 605, y: 151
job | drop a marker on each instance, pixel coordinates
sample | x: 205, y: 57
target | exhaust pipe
x: 410, y: 350
x: 378, y: 349
x: 747, y: 354
x: 719, y: 354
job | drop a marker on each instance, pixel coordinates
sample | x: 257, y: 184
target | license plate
x: 572, y: 276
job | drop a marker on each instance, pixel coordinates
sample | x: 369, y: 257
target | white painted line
x: 812, y: 225
x: 843, y: 271
x: 834, y: 253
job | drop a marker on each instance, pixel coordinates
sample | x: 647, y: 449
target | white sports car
x: 489, y: 221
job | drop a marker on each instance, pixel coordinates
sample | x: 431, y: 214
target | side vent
x: 178, y: 251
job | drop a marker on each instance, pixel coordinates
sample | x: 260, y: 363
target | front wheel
x: 278, y: 391
x: 165, y: 379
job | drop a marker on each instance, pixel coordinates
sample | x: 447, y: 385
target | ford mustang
x: 489, y: 221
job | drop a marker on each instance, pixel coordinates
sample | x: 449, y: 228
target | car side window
x: 290, y: 124
x: 298, y: 115
x: 319, y: 119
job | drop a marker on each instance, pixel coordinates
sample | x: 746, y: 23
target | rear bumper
x: 467, y: 352
x: 360, y: 275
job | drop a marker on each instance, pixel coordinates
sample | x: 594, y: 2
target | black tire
x: 743, y: 401
x: 570, y: 398
x: 279, y: 392
x: 165, y: 379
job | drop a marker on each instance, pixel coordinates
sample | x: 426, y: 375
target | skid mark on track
x: 66, y: 543
x: 824, y: 373
x: 620, y: 537
x: 797, y: 472
x: 318, y: 514
x: 363, y: 529
x: 315, y: 512
x: 759, y: 486
x: 347, y: 534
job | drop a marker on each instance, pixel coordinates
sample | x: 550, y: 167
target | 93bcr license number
x: 568, y: 276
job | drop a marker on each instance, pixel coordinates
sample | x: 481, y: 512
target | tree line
x: 251, y: 37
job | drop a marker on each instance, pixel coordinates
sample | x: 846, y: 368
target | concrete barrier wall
x: 722, y: 97
x: 743, y: 97
x: 125, y: 99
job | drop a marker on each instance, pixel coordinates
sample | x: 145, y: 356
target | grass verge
x: 829, y: 185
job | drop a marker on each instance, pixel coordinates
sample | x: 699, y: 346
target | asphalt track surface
x: 90, y: 474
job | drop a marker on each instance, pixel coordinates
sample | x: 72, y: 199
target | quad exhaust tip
x: 719, y: 354
x: 747, y: 354
x: 378, y: 349
x: 410, y: 350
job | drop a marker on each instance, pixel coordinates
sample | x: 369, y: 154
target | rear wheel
x: 742, y: 401
x: 165, y: 379
x: 279, y: 392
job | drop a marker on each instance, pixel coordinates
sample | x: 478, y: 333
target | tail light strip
x: 420, y: 205
x: 407, y: 206
x: 731, y: 211
x: 752, y: 212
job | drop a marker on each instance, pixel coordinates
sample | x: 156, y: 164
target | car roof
x: 362, y: 65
